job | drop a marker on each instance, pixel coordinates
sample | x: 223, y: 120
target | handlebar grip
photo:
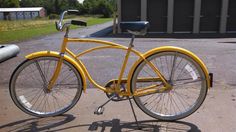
x: 75, y: 12
x: 79, y: 23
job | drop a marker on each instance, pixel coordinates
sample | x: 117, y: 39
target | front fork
x: 59, y: 64
x: 56, y: 73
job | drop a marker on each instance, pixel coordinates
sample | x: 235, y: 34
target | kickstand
x: 135, y: 117
x: 100, y: 109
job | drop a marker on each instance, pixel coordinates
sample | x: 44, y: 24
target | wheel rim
x: 184, y: 98
x: 30, y: 94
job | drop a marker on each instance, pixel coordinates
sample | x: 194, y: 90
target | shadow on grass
x: 50, y: 124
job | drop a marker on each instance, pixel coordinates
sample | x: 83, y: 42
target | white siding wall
x: 13, y: 15
x: 20, y: 15
x: 35, y: 14
x: 27, y: 15
x: 17, y: 13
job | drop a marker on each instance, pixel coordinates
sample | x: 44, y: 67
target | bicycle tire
x: 179, y: 102
x: 28, y: 91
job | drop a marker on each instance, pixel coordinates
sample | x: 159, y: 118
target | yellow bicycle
x: 167, y: 83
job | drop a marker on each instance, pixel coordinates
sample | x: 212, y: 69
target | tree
x: 26, y: 3
x: 9, y: 3
x: 104, y: 7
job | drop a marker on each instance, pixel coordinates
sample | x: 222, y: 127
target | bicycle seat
x: 135, y: 27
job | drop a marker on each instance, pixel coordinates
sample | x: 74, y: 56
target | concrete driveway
x: 217, y: 113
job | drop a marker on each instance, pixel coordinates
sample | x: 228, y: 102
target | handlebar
x: 59, y: 25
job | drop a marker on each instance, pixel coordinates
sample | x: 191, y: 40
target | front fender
x: 66, y: 57
x: 170, y: 48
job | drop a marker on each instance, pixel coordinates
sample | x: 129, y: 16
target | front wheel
x: 189, y: 86
x: 28, y: 87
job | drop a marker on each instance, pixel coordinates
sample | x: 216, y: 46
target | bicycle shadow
x: 50, y: 124
x: 115, y: 125
x: 37, y: 124
x: 146, y: 125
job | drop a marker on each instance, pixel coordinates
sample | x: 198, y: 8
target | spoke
x: 176, y: 105
x: 37, y: 98
x: 181, y: 70
x: 33, y: 76
x: 45, y: 103
x: 167, y: 103
x: 148, y: 99
x: 65, y: 78
x: 189, y: 82
x: 40, y: 102
x: 53, y: 97
x: 182, y: 101
x: 32, y: 93
x: 41, y: 74
x: 162, y: 102
x: 167, y: 65
x: 173, y: 68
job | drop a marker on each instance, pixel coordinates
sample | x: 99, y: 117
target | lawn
x: 14, y: 31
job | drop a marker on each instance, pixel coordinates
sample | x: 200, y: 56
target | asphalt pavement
x: 217, y: 113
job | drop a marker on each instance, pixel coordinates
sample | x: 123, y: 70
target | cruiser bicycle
x: 167, y: 83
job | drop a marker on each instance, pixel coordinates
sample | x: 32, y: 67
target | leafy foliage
x: 104, y: 7
x: 9, y: 3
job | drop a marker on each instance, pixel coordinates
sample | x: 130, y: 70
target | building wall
x: 13, y: 16
x: 1, y: 16
x: 27, y: 15
x: 35, y: 14
x: 182, y: 16
x: 19, y: 15
x: 42, y: 13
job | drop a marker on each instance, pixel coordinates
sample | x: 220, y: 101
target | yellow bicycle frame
x: 74, y: 60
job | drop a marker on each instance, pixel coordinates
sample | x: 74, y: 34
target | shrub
x: 53, y: 16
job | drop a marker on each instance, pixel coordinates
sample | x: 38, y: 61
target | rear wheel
x: 28, y: 87
x: 186, y: 77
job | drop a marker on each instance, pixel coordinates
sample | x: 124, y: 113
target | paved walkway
x: 217, y: 113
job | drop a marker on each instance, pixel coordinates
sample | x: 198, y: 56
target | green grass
x: 14, y: 31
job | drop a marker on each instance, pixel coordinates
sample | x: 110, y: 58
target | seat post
x: 132, y: 41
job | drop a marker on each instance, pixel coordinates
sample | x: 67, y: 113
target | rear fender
x: 169, y: 48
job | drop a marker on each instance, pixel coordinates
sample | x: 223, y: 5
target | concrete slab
x: 216, y: 114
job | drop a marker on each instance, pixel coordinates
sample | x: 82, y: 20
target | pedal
x: 99, y: 111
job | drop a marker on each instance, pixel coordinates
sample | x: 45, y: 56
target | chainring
x: 117, y: 97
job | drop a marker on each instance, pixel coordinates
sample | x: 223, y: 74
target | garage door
x: 183, y: 15
x: 157, y: 15
x: 210, y: 12
x: 231, y: 23
x: 130, y: 10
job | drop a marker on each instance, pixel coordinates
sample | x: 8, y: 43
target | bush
x: 53, y: 16
x: 103, y: 7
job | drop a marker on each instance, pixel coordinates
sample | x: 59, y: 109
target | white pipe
x: 8, y: 51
